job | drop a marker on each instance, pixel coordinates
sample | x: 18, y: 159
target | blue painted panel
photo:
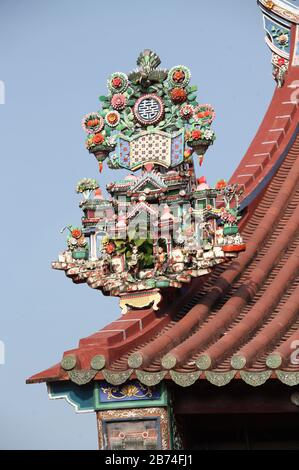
x: 177, y: 149
x: 81, y: 397
x: 123, y: 152
x: 130, y: 391
x: 278, y: 34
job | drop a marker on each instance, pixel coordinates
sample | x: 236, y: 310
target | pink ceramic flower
x: 118, y: 101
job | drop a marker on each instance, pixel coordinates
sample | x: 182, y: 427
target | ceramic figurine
x: 133, y: 262
x: 161, y: 258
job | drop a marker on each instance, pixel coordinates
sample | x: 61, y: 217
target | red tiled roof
x: 242, y: 320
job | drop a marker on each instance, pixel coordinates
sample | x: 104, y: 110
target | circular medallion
x: 118, y: 82
x: 179, y: 76
x: 112, y: 118
x: 149, y: 109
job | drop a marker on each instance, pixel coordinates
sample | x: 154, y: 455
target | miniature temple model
x: 161, y: 225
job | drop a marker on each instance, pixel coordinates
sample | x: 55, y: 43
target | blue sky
x: 55, y: 57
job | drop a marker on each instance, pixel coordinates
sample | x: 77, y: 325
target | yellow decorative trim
x: 141, y: 301
x: 127, y: 391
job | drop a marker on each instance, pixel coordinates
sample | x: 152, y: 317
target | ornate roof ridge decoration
x: 184, y: 379
x: 141, y: 206
x: 282, y: 9
x: 152, y: 176
x: 278, y: 17
x: 161, y: 227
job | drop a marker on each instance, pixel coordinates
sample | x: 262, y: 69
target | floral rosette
x: 204, y: 114
x: 112, y: 118
x: 92, y: 123
x: 118, y: 82
x: 118, y: 101
x: 186, y: 112
x: 179, y: 76
x: 178, y: 95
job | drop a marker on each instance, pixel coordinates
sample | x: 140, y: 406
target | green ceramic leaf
x: 179, y: 123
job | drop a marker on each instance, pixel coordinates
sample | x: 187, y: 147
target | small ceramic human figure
x: 133, y: 262
x: 208, y: 233
x: 160, y: 259
x: 188, y: 258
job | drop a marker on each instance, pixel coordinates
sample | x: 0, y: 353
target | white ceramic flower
x: 208, y: 134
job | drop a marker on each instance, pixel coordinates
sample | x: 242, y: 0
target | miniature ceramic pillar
x: 168, y: 241
x: 93, y: 246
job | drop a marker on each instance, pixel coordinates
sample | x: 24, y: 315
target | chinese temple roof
x: 239, y: 322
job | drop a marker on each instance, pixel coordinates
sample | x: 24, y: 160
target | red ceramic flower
x: 76, y: 233
x: 196, y: 135
x: 118, y: 101
x: 92, y: 123
x: 116, y: 82
x: 110, y: 248
x: 204, y: 113
x: 178, y: 76
x: 98, y: 139
x: 220, y: 184
x: 281, y: 61
x: 178, y: 95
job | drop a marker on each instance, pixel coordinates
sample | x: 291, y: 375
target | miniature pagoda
x: 206, y: 354
x: 161, y: 226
